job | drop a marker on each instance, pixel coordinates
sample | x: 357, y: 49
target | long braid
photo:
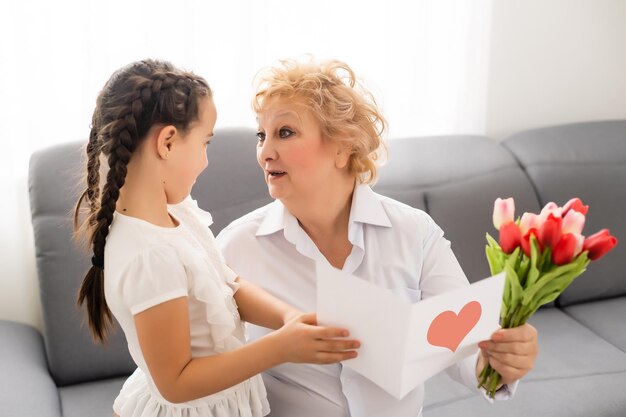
x: 92, y: 192
x: 136, y: 98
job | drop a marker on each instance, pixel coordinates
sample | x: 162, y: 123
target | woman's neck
x: 325, y: 218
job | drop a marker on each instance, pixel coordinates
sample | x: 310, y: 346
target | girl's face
x: 295, y: 158
x: 188, y: 154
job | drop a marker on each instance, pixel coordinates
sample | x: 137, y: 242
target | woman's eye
x: 285, y: 133
x: 260, y: 136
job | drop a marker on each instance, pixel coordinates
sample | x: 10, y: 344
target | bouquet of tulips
x: 541, y: 255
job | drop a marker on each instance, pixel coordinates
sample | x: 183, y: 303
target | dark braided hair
x: 136, y: 97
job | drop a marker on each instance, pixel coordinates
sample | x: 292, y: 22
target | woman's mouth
x: 275, y: 174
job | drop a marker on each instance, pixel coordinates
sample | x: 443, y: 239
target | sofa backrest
x: 586, y: 160
x: 61, y: 265
x: 456, y: 179
x: 233, y: 183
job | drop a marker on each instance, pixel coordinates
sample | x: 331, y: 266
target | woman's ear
x: 165, y: 138
x: 343, y: 155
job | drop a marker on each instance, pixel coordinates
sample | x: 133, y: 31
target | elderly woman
x: 319, y: 139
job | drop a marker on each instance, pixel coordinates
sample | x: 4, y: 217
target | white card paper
x: 404, y: 343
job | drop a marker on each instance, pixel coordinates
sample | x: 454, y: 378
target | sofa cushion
x: 94, y: 399
x: 586, y: 160
x: 26, y: 387
x: 229, y: 189
x: 582, y: 396
x: 456, y: 179
x: 604, y: 318
x: 567, y: 349
x: 61, y: 265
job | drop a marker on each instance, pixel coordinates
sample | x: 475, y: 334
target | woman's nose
x: 266, y: 151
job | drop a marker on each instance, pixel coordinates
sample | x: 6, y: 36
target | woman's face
x: 295, y: 158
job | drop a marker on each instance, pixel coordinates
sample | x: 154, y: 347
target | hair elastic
x: 98, y: 261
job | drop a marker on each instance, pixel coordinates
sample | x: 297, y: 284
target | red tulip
x: 526, y: 241
x: 574, y: 204
x: 510, y: 237
x: 550, y: 231
x: 563, y: 252
x: 599, y: 244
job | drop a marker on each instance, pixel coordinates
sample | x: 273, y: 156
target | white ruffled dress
x: 146, y: 265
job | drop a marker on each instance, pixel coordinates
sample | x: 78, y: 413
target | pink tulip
x: 574, y: 204
x: 510, y: 237
x: 503, y: 212
x: 528, y: 221
x: 573, y: 222
x: 599, y: 244
x: 564, y: 250
x: 550, y: 208
x: 580, y: 240
x: 550, y: 231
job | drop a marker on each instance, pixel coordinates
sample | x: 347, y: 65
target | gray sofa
x: 581, y: 368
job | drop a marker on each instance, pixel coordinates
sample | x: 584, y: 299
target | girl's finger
x: 338, y: 345
x: 330, y: 332
x: 334, y: 357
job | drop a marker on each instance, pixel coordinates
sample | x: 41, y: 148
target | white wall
x: 556, y: 61
x: 422, y: 57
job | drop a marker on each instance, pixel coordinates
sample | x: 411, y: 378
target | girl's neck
x: 144, y: 198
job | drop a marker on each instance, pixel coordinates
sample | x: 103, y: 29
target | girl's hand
x: 511, y: 352
x: 300, y: 340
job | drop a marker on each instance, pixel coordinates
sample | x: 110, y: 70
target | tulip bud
x: 503, y: 212
x: 526, y: 241
x: 528, y: 221
x: 550, y: 208
x: 550, y: 231
x: 563, y: 252
x: 510, y: 237
x: 580, y: 240
x: 599, y: 244
x: 574, y: 204
x: 573, y: 222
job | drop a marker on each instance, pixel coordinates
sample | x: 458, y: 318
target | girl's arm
x: 164, y: 338
x: 259, y: 307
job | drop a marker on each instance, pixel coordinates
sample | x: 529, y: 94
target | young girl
x: 156, y: 267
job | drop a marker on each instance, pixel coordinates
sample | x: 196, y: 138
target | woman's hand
x: 300, y: 340
x: 511, y: 352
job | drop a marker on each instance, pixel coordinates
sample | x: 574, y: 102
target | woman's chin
x: 274, y: 191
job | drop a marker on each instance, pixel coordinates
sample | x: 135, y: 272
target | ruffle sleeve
x: 152, y: 277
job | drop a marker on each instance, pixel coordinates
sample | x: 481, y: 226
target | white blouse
x: 146, y: 265
x: 394, y: 246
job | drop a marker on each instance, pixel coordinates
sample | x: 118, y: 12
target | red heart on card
x: 449, y: 329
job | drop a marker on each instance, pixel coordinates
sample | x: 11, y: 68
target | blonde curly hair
x: 346, y: 111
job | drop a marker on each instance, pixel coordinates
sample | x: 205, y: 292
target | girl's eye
x: 285, y: 132
x: 260, y: 136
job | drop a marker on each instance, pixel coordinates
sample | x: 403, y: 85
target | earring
x: 167, y: 155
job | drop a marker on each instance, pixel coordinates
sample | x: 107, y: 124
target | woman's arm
x: 164, y: 338
x: 259, y: 307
